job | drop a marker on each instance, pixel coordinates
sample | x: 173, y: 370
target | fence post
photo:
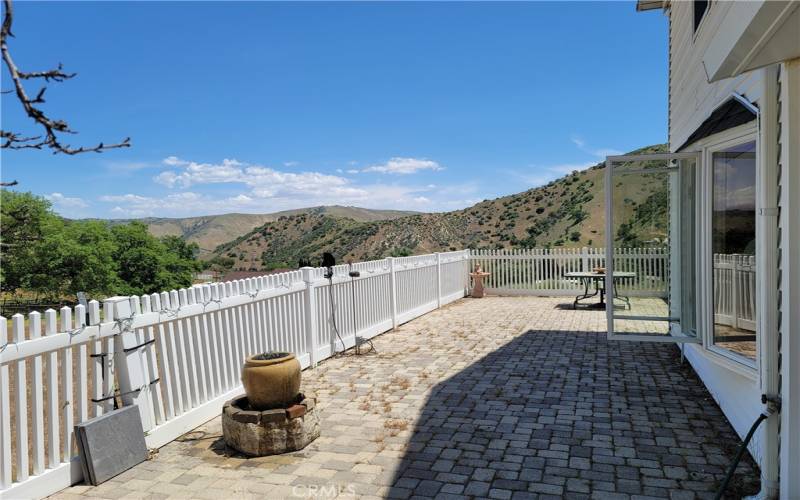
x: 129, y: 361
x: 467, y: 266
x: 438, y: 280
x: 310, y: 300
x: 393, y: 290
x: 5, y: 415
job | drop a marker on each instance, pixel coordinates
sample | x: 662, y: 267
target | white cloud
x: 379, y: 196
x: 128, y: 198
x: 232, y: 185
x: 61, y: 202
x: 264, y: 182
x: 200, y: 173
x: 404, y: 166
x: 578, y: 142
x: 183, y: 203
x: 539, y: 175
x: 568, y: 168
x: 291, y: 163
x: 174, y: 161
x: 599, y: 152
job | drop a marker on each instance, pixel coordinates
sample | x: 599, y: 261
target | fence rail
x: 178, y: 354
x: 541, y: 271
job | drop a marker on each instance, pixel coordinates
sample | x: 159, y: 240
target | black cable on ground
x: 739, y: 455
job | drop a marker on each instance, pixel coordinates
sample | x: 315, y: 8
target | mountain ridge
x: 568, y: 211
x: 210, y: 231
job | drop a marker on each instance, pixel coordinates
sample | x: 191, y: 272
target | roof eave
x: 643, y: 5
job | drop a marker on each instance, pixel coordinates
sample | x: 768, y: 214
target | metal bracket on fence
x: 129, y: 349
x: 118, y: 394
x: 101, y: 354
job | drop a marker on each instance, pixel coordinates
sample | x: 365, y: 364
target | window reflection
x: 733, y: 237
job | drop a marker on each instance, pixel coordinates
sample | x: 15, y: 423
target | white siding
x: 691, y: 97
x: 691, y: 100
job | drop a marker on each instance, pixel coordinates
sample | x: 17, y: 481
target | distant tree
x: 24, y: 219
x: 219, y: 264
x: 43, y: 253
x: 85, y: 258
x: 148, y: 265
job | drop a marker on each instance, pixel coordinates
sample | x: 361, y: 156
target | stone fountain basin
x: 269, y: 432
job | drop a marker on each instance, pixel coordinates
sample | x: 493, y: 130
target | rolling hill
x: 566, y: 212
x: 211, y: 231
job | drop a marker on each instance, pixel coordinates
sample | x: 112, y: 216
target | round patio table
x: 591, y: 278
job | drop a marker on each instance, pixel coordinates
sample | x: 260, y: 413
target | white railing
x: 542, y: 271
x: 177, y: 355
x: 735, y: 290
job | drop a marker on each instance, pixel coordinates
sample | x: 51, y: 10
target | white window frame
x: 676, y: 336
x: 709, y: 146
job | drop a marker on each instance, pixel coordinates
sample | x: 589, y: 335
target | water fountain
x: 273, y: 416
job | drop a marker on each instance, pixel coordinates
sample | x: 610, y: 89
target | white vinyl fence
x: 541, y: 271
x: 735, y: 290
x: 178, y: 354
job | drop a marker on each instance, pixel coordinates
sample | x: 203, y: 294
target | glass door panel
x: 651, y: 245
x: 733, y: 247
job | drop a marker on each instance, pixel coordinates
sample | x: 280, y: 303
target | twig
x: 52, y: 127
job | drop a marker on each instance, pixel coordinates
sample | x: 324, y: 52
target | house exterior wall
x: 775, y: 90
x: 691, y: 97
x: 737, y: 389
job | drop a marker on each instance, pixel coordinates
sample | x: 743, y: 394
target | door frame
x: 709, y: 146
x: 675, y: 335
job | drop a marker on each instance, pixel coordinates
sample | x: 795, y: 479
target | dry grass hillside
x: 211, y: 231
x: 566, y: 212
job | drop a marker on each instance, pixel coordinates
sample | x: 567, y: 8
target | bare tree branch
x: 51, y: 126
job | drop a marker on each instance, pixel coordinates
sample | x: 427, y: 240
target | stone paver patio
x: 497, y: 397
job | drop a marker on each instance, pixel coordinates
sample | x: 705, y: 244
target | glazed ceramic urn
x: 271, y: 380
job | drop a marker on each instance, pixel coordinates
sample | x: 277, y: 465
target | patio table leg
x: 623, y: 298
x: 586, y: 294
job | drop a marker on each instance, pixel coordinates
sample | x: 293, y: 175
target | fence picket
x: 51, y: 366
x: 83, y: 367
x: 37, y: 390
x: 21, y: 393
x: 66, y: 387
x: 166, y: 381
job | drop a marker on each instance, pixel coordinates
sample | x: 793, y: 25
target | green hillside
x: 566, y: 212
x: 210, y: 231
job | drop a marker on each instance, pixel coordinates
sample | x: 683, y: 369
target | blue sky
x: 259, y: 107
